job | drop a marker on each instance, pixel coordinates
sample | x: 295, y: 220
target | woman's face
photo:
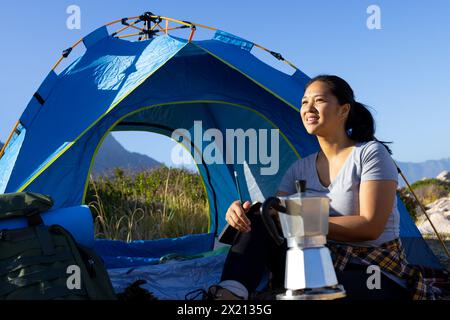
x: 321, y: 113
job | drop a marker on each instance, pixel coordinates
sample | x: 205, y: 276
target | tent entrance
x: 143, y: 203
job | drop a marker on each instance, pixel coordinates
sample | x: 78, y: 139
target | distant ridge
x: 113, y: 155
x: 415, y: 171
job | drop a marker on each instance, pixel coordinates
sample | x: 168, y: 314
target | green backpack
x: 42, y: 262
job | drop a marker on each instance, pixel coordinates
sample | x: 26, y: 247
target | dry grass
x: 161, y: 203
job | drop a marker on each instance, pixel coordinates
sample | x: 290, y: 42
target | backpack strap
x: 44, y: 237
x: 34, y: 219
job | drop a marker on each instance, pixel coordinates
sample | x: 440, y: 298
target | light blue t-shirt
x: 367, y: 161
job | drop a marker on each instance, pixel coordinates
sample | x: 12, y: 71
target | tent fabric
x: 171, y: 281
x: 418, y: 252
x: 176, y: 280
x: 34, y: 106
x: 85, y: 92
x: 95, y: 36
x: 232, y: 39
x: 119, y: 254
x: 10, y: 156
x: 285, y: 87
x: 159, y: 85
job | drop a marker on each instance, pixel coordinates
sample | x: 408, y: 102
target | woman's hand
x: 236, y: 216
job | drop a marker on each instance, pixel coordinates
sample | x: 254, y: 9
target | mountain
x: 112, y: 154
x: 415, y: 171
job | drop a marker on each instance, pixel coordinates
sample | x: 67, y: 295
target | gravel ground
x: 438, y: 250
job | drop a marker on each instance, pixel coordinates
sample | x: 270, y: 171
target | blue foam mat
x: 77, y: 220
x: 120, y: 254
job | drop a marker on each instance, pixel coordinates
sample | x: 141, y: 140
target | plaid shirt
x: 390, y: 257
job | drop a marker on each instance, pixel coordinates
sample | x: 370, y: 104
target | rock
x: 444, y: 176
x: 441, y: 223
x: 442, y: 204
x: 439, y: 213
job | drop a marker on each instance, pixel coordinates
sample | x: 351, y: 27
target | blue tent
x: 161, y: 84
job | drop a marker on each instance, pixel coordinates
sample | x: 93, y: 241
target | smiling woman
x: 332, y: 98
x: 350, y: 160
x: 356, y: 172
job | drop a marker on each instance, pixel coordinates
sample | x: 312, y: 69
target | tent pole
x: 148, y: 29
x: 423, y: 210
x: 120, y: 20
x: 193, y: 28
x: 9, y: 139
x: 128, y: 25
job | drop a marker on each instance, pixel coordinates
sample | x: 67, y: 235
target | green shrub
x: 427, y: 191
x: 159, y: 203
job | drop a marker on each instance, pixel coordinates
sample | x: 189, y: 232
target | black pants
x: 253, y: 253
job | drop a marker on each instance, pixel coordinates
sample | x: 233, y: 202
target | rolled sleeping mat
x: 77, y: 220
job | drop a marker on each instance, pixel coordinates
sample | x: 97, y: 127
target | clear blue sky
x: 402, y: 70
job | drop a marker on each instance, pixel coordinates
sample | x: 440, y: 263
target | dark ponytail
x: 360, y: 125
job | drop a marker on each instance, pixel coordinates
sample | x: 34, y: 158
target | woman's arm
x: 376, y: 200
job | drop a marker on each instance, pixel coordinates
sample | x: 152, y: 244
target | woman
x: 357, y: 173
